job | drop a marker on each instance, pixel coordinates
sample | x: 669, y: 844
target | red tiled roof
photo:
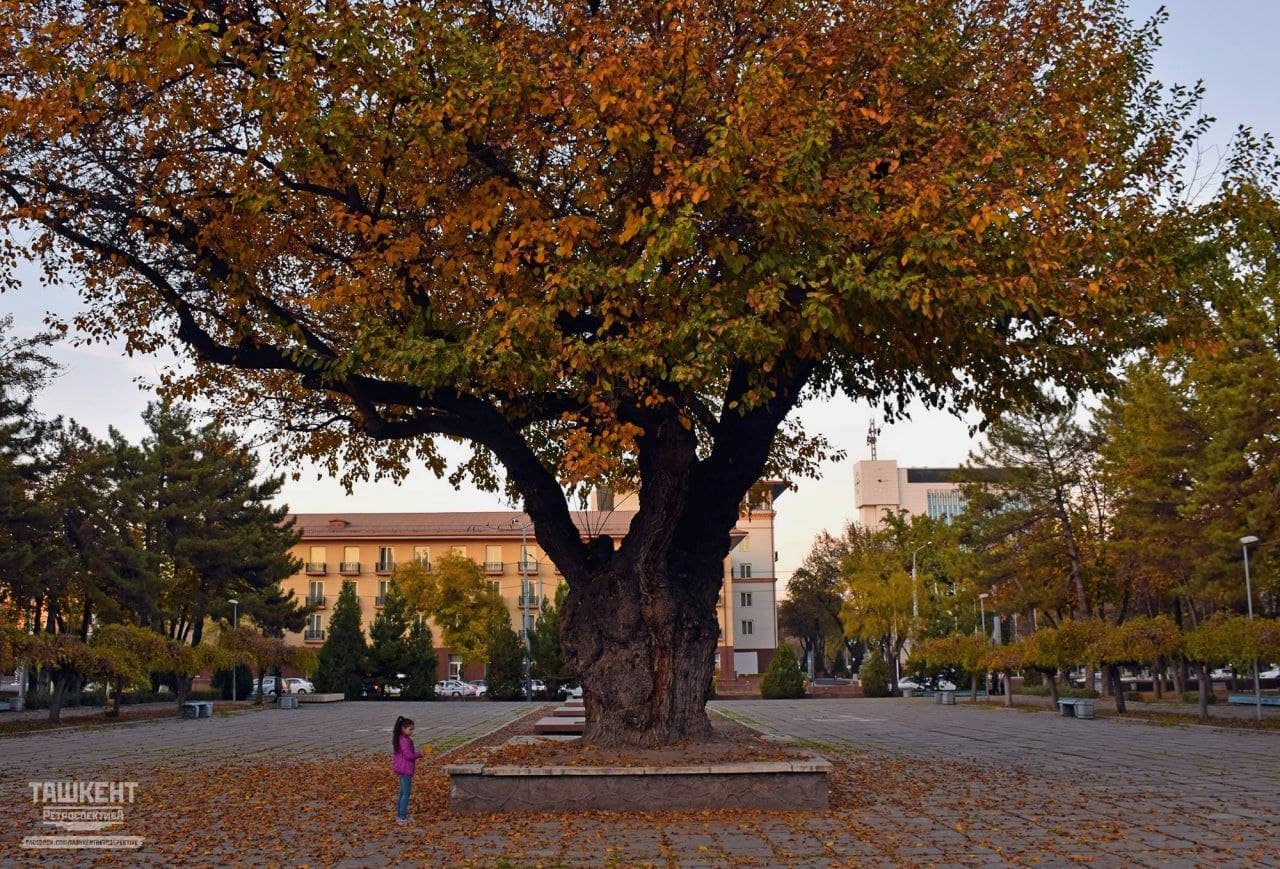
x: 491, y: 524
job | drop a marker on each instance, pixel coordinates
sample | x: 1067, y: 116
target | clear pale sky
x: 1230, y: 44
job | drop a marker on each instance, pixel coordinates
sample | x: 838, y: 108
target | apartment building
x: 364, y: 548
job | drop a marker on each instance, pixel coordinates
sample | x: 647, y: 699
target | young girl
x: 403, y: 759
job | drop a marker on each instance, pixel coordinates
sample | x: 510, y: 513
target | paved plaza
x: 915, y: 783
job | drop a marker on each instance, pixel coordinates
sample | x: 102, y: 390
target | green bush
x: 874, y: 675
x: 783, y: 680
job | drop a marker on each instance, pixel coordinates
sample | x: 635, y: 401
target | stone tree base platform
x: 785, y: 785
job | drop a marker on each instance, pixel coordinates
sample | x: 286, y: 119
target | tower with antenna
x: 873, y: 435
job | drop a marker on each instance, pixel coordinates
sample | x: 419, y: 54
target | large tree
x: 600, y: 240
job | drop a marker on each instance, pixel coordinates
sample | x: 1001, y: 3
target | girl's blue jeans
x: 402, y: 805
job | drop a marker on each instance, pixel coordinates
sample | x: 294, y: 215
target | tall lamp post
x: 982, y: 608
x: 524, y: 599
x: 915, y: 588
x: 1245, y: 543
x: 235, y: 617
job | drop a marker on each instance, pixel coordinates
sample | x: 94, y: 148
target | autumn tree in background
x: 811, y: 611
x: 601, y: 242
x: 459, y: 598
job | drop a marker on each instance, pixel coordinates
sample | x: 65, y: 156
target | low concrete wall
x: 319, y: 698
x: 800, y: 784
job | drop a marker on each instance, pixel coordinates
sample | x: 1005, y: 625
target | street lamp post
x: 982, y: 608
x: 524, y: 595
x: 915, y: 588
x: 1245, y: 543
x: 235, y: 617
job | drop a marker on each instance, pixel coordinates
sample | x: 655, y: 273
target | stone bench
x: 1076, y: 708
x: 560, y: 725
x: 769, y: 785
x: 319, y: 698
x: 287, y: 701
x: 197, y: 709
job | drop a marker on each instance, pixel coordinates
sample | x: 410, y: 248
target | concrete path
x: 915, y: 783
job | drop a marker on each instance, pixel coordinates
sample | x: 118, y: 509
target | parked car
x: 294, y: 685
x: 1273, y: 673
x: 478, y: 687
x: 538, y: 687
x: 453, y: 688
x: 571, y: 691
x: 1221, y: 674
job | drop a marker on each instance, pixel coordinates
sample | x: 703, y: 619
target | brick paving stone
x: 917, y: 783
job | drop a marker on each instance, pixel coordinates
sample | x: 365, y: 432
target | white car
x: 1273, y: 673
x: 571, y: 692
x: 943, y: 685
x: 1221, y: 674
x: 295, y: 686
x: 537, y: 687
x: 478, y: 687
x: 453, y: 688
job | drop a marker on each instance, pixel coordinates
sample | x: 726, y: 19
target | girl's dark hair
x: 397, y: 731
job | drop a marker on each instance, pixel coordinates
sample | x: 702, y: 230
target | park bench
x: 1076, y: 708
x: 287, y: 701
x: 1250, y: 700
x: 197, y: 709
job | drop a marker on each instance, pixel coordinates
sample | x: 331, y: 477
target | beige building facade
x: 364, y: 548
x: 881, y: 488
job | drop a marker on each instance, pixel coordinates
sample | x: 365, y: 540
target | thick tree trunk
x: 1053, y: 687
x: 1008, y: 688
x: 973, y: 687
x: 1113, y: 674
x: 1205, y: 687
x: 57, y: 691
x: 643, y: 644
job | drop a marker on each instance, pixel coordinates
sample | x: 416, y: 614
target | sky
x: 1229, y: 44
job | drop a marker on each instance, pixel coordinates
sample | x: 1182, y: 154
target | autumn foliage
x: 599, y: 241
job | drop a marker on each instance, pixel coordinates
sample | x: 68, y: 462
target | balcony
x: 349, y: 568
x: 528, y: 600
x: 384, y: 567
x: 380, y: 600
x: 527, y: 566
x: 492, y: 567
x: 315, y: 600
x: 313, y: 636
x: 317, y: 568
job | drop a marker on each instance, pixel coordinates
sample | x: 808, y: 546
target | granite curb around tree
x: 780, y: 785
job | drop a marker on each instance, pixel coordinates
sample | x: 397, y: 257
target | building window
x: 422, y: 555
x: 744, y: 598
x: 496, y: 587
x: 944, y: 504
x: 315, y: 593
x: 493, y: 559
x: 386, y: 559
x: 351, y: 559
x: 382, y: 592
x: 315, y: 627
x: 748, y: 627
x: 744, y: 571
x: 455, y: 667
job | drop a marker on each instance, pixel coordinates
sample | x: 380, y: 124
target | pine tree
x: 389, y: 647
x: 783, y: 680
x: 420, y: 663
x: 340, y: 667
x: 547, y: 656
x: 505, y: 676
